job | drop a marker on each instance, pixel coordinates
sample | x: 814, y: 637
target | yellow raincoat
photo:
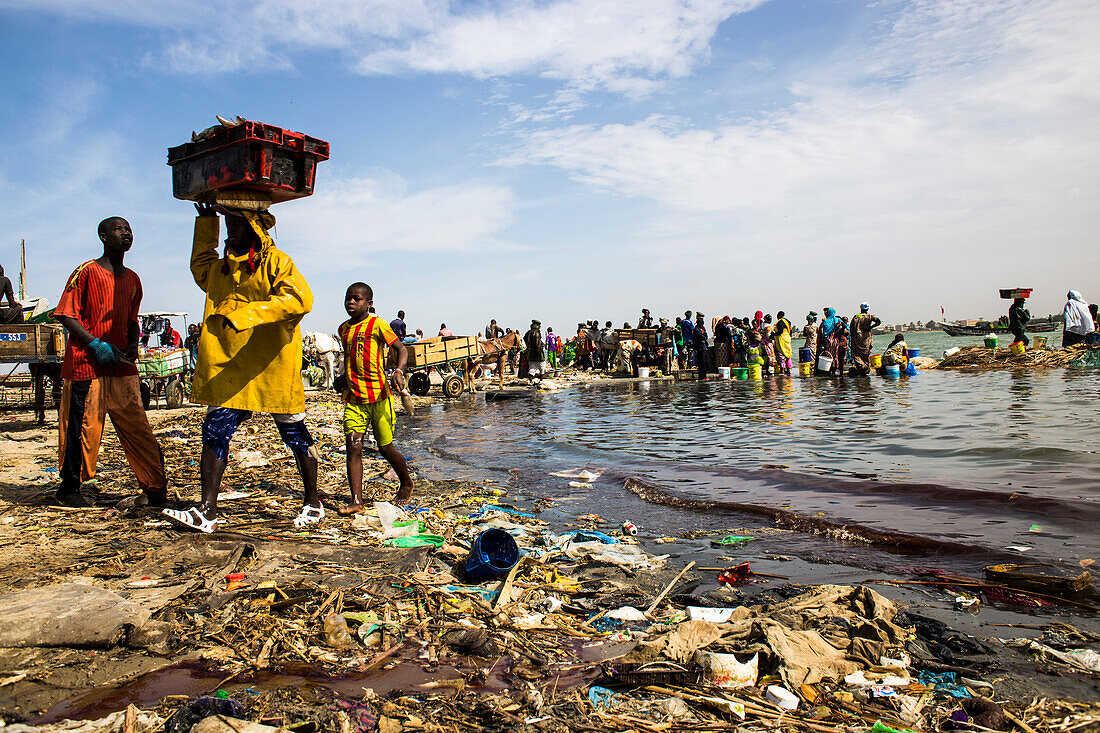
x: 257, y: 364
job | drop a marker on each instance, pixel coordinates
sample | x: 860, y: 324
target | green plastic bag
x: 416, y: 540
x: 880, y: 727
x: 733, y: 539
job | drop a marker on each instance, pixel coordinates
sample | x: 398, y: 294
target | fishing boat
x: 983, y: 328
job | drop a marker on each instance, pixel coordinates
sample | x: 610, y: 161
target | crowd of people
x: 740, y: 342
x: 771, y: 343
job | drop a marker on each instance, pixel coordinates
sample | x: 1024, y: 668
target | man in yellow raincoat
x: 250, y: 351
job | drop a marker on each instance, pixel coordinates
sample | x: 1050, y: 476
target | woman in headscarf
x: 1076, y: 319
x: 767, y: 337
x: 723, y: 342
x: 896, y: 352
x: 830, y: 340
x: 782, y: 339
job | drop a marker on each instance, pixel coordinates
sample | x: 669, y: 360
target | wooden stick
x: 505, y: 592
x: 1023, y: 726
x: 983, y: 585
x: 668, y: 588
x: 383, y: 656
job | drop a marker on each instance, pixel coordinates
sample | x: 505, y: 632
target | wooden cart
x: 657, y: 345
x: 163, y: 372
x: 448, y: 355
x: 41, y: 347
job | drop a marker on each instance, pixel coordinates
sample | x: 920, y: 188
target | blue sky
x: 569, y: 160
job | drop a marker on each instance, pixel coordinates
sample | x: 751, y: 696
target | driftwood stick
x: 665, y: 592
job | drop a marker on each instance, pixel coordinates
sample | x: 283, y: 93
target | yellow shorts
x: 378, y: 416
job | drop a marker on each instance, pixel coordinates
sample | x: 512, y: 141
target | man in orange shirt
x: 369, y: 403
x: 99, y: 309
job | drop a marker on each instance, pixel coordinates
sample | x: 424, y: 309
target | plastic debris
x: 732, y: 539
x: 782, y: 697
x: 724, y: 670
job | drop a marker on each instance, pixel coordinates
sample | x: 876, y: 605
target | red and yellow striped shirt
x: 365, y: 346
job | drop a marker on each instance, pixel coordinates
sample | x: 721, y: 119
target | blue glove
x: 104, y: 352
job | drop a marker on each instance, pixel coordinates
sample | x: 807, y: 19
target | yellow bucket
x: 1017, y: 348
x: 876, y: 361
x: 1040, y: 342
x: 755, y: 372
x: 806, y: 370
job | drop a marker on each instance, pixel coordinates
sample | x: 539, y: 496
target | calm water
x: 948, y: 468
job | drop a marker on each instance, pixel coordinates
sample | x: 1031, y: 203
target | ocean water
x: 951, y: 470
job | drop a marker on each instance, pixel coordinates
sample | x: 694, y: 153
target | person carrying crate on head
x: 250, y: 352
x: 99, y: 309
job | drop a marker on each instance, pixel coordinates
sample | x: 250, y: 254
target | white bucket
x: 643, y: 372
x: 824, y: 363
x: 952, y: 350
x: 723, y: 670
x: 723, y: 372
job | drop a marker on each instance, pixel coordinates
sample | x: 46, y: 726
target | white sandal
x: 310, y: 515
x: 192, y: 518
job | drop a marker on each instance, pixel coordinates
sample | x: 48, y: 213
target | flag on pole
x: 22, y: 269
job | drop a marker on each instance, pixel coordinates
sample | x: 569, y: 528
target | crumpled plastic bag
x: 382, y: 519
x: 1083, y: 659
x: 629, y: 557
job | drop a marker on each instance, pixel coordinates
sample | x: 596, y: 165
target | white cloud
x: 621, y: 45
x: 965, y: 133
x: 577, y: 40
x: 350, y: 219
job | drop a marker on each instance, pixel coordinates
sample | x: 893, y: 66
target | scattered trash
x: 581, y: 474
x: 967, y: 603
x: 732, y: 539
x: 723, y: 670
x: 736, y: 575
x: 336, y: 631
x: 494, y: 553
x: 343, y: 599
x: 782, y: 697
x: 186, y: 717
x: 601, y: 698
x: 714, y: 615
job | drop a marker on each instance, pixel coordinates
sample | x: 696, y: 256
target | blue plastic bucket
x: 892, y: 370
x: 912, y: 353
x: 494, y: 553
x: 805, y: 355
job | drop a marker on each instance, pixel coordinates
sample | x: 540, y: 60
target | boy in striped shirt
x: 368, y: 398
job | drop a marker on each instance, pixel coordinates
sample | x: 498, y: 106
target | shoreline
x: 87, y: 546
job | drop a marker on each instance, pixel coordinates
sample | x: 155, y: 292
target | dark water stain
x: 196, y: 678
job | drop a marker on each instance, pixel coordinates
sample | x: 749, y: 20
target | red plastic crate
x: 250, y: 156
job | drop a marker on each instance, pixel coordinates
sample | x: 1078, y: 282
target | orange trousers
x: 84, y: 408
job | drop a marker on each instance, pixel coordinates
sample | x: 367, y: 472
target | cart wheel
x: 452, y: 385
x: 419, y: 384
x: 173, y: 394
x: 146, y: 395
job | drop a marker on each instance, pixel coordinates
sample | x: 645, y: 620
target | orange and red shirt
x: 105, y: 304
x: 365, y: 346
